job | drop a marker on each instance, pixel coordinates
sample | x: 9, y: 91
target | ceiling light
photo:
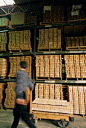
x: 6, y: 2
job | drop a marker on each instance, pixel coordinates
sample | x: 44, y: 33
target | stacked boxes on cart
x: 48, y: 66
x: 49, y: 97
x: 77, y: 97
x: 75, y: 66
x: 53, y: 13
x: 49, y: 38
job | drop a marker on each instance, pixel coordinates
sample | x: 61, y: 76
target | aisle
x: 6, y: 118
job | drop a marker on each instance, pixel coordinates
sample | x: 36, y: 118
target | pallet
x: 77, y: 20
x: 45, y: 23
x: 24, y: 25
x: 50, y: 49
x: 48, y: 78
x: 17, y: 51
x: 76, y: 48
x: 58, y: 22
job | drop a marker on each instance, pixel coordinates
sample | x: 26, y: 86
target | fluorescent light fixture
x: 6, y: 2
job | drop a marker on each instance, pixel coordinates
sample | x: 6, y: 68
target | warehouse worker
x: 22, y: 82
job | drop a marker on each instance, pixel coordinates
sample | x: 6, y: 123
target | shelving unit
x: 34, y: 52
x: 65, y: 27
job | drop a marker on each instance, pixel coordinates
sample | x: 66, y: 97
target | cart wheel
x: 62, y: 123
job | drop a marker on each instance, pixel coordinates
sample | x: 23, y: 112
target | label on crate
x: 49, y: 81
x: 47, y: 8
x: 75, y: 13
x: 74, y: 7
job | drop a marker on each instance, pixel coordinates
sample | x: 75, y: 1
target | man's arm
x: 30, y: 84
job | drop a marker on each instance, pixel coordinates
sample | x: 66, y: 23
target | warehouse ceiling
x: 34, y: 7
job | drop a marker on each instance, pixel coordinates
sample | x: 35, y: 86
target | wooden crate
x: 49, y: 39
x: 75, y: 66
x: 10, y: 95
x: 75, y: 43
x: 3, y: 41
x: 20, y: 41
x: 14, y: 65
x: 48, y: 67
x: 76, y: 96
x: 48, y: 91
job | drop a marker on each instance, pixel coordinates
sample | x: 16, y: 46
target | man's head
x: 23, y: 64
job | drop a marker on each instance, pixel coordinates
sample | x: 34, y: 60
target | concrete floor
x: 6, y: 119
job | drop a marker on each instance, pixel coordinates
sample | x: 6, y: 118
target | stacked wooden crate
x: 49, y: 39
x: 14, y: 65
x: 10, y: 95
x: 76, y: 95
x: 49, y: 91
x: 3, y: 41
x: 76, y: 42
x: 53, y: 13
x: 3, y: 67
x: 49, y: 105
x: 77, y: 12
x: 1, y: 94
x: 19, y: 40
x: 75, y: 66
x: 49, y: 97
x: 48, y: 66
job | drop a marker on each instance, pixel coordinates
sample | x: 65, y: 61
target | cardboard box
x: 18, y: 18
x: 31, y: 19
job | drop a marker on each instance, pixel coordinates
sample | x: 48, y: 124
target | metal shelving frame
x: 34, y: 53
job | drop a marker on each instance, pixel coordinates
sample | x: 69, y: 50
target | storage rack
x: 34, y: 53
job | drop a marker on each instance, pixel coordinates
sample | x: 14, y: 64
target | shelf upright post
x: 34, y: 56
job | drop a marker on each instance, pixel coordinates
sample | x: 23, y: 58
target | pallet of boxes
x: 77, y: 97
x: 53, y: 15
x: 75, y: 66
x: 76, y: 13
x: 48, y: 67
x: 49, y: 39
x: 75, y: 43
x: 49, y: 103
